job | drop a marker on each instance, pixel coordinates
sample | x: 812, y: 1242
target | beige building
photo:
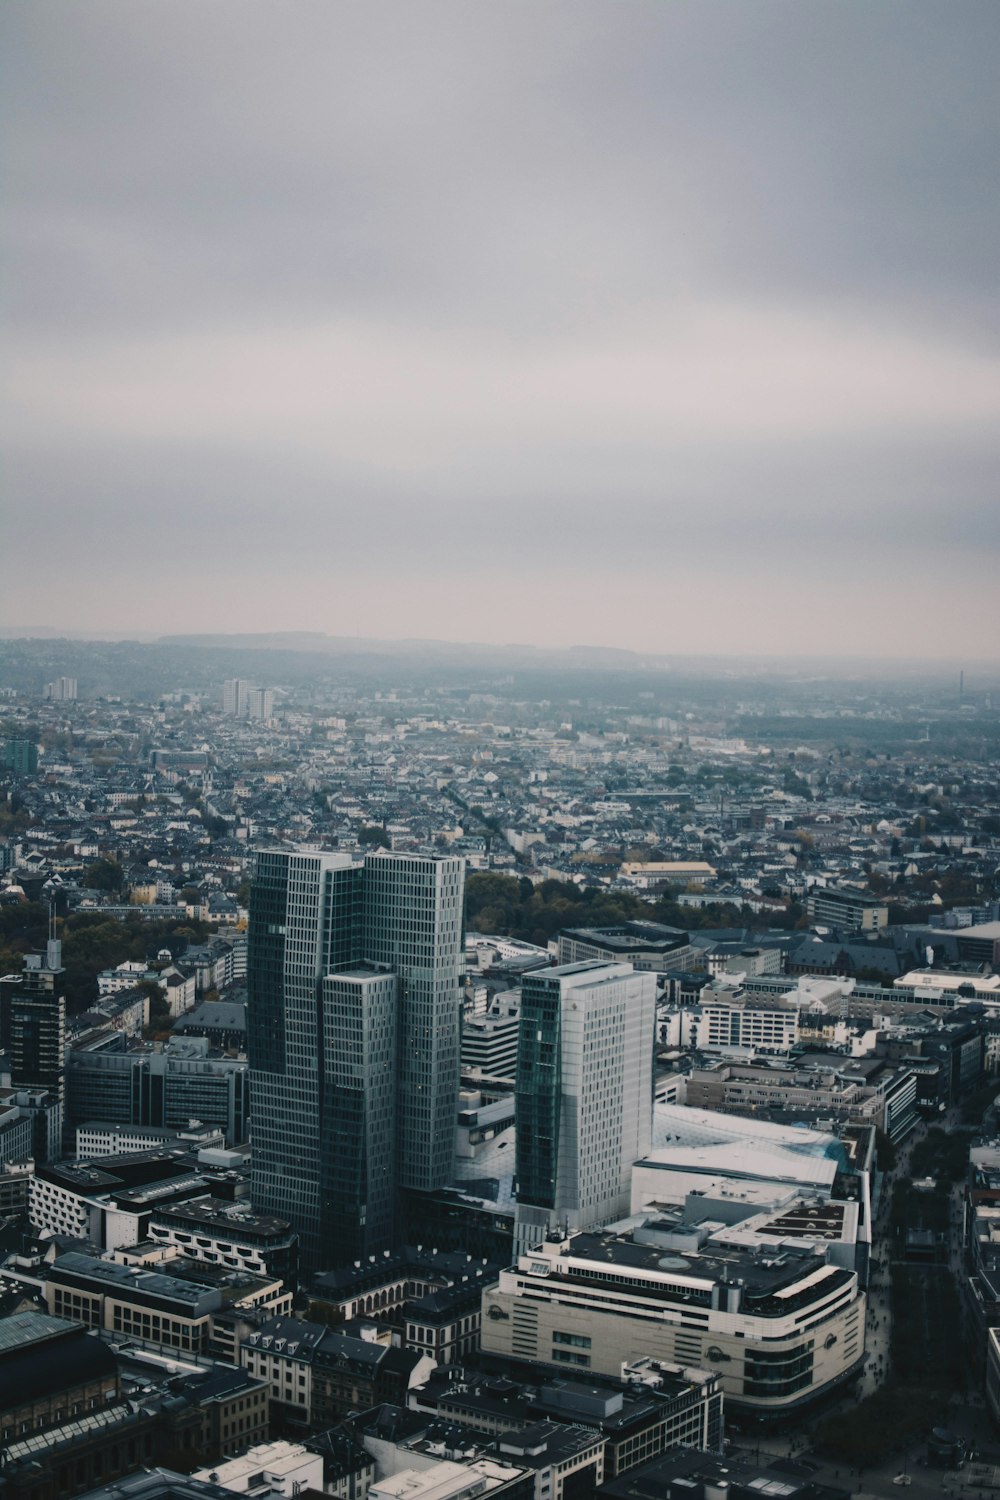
x: 780, y: 1328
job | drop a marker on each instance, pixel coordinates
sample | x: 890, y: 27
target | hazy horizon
x: 287, y: 641
x: 666, y: 328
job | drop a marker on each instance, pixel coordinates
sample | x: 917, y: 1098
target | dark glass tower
x: 353, y: 1030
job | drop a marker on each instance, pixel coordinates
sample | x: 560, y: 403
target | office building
x: 413, y: 925
x: 353, y: 1030
x: 33, y: 1029
x: 109, y: 1080
x: 122, y: 1299
x: 644, y: 945
x: 653, y: 1407
x: 584, y: 1098
x: 489, y: 1041
x: 228, y: 1234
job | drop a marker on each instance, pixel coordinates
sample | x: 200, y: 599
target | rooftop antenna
x: 53, y: 948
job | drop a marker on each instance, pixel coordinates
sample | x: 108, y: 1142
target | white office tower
x: 584, y: 1098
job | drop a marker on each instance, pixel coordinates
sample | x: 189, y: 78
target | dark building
x: 188, y: 1420
x: 353, y: 1031
x: 33, y: 1031
x: 110, y: 1079
x: 21, y: 757
x: 51, y: 1369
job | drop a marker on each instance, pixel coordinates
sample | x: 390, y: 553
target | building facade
x: 353, y: 1026
x: 780, y: 1330
x: 584, y: 1097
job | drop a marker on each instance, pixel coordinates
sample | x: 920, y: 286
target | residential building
x: 260, y: 703
x: 318, y: 1375
x: 236, y: 697
x: 856, y: 910
x: 21, y: 757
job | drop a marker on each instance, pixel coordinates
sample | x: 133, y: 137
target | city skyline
x: 665, y: 328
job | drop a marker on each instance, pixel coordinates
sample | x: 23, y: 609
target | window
x: 569, y: 1357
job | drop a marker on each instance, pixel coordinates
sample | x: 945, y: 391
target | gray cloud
x: 426, y: 299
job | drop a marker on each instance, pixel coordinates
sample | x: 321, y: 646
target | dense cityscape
x: 432, y: 1072
x: 499, y: 750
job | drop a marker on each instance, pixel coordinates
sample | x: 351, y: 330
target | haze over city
x: 669, y: 327
x: 499, y: 750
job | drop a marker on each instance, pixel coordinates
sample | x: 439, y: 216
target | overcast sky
x: 663, y: 325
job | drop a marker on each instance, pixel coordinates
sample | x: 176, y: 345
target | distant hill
x: 470, y: 651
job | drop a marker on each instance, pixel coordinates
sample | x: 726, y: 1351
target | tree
x: 885, y: 1151
x: 104, y: 875
x: 159, y: 1006
x: 371, y: 836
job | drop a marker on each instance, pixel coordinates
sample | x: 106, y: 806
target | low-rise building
x: 781, y: 1328
x: 448, y: 1480
x: 51, y: 1369
x: 317, y: 1375
x: 147, y: 1306
x: 855, y: 910
x: 228, y: 1234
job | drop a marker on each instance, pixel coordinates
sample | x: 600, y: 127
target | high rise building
x: 413, y: 925
x: 33, y: 1031
x: 260, y: 703
x: 35, y: 1023
x: 353, y: 1031
x: 235, y: 696
x: 21, y: 757
x: 63, y: 690
x: 584, y: 1096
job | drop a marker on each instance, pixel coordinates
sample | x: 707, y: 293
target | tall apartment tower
x: 584, y: 1097
x: 236, y: 696
x: 260, y: 703
x: 351, y: 969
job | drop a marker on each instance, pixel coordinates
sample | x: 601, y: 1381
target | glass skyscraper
x: 353, y: 1029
